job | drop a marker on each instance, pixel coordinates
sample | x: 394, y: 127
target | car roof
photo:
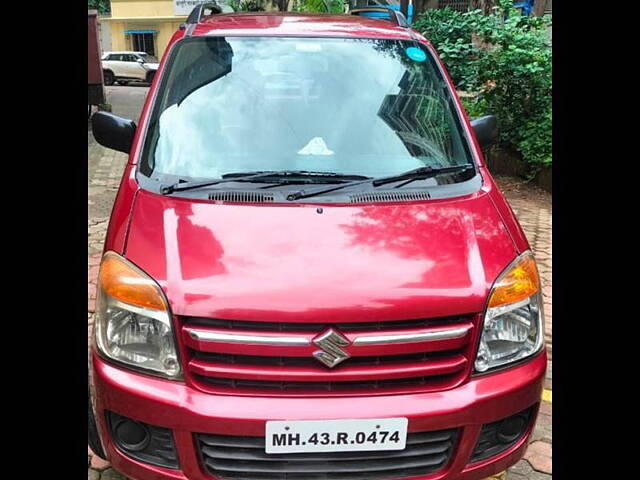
x: 295, y: 24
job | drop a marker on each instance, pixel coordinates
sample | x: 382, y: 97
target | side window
x: 116, y: 57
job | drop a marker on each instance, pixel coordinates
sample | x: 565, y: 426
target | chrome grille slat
x: 313, y: 363
x: 318, y: 327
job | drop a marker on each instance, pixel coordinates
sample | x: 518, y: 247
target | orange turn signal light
x: 123, y: 281
x: 519, y: 282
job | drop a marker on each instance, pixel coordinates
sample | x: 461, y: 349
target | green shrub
x: 319, y: 6
x: 474, y: 106
x: 103, y: 6
x: 246, y: 5
x: 451, y: 33
x: 508, y: 67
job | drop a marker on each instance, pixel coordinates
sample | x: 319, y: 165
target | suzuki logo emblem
x: 331, y: 342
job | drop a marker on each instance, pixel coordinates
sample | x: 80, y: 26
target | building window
x: 142, y: 41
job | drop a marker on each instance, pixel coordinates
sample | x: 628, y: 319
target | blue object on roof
x: 129, y: 32
x: 526, y: 6
x: 392, y: 7
x: 392, y: 4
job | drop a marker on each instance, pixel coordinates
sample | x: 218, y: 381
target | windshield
x: 366, y: 107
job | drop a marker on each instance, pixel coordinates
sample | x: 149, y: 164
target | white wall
x: 104, y: 34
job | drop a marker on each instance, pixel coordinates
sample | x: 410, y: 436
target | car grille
x: 244, y: 458
x: 231, y: 356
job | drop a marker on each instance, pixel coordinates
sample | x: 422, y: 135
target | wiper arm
x: 299, y: 173
x: 421, y: 173
x: 281, y: 175
x: 181, y: 186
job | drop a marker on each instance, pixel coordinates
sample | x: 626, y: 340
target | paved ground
x: 532, y: 206
x: 533, y: 209
x: 106, y: 166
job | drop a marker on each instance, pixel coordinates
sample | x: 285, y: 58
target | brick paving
x: 531, y: 205
x: 105, y: 170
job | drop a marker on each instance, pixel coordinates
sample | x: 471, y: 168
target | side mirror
x: 112, y: 131
x: 140, y: 61
x: 486, y: 130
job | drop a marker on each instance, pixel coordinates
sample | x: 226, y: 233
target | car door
x: 133, y: 68
x: 120, y: 65
x: 111, y: 63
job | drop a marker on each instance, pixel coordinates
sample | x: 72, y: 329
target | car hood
x: 152, y: 66
x: 311, y: 263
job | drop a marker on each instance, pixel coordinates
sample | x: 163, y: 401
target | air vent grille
x: 235, y: 457
x: 389, y: 197
x: 241, y: 197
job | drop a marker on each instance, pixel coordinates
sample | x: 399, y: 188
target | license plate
x: 310, y: 436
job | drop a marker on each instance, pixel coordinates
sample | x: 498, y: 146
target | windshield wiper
x: 421, y: 173
x: 277, y: 176
x: 300, y: 173
x: 182, y: 185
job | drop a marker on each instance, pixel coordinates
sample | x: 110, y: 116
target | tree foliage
x: 505, y: 59
x: 311, y: 6
x: 318, y: 6
x: 247, y: 5
x: 486, y: 6
x: 103, y: 6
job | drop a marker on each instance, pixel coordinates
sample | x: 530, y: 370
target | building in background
x: 104, y: 34
x: 145, y: 25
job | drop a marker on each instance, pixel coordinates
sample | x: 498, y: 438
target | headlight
x: 514, y: 320
x: 132, y: 323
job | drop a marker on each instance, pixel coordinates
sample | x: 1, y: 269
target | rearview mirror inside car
x: 112, y: 131
x: 485, y: 129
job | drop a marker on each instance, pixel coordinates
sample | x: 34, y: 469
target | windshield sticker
x: 315, y: 147
x: 416, y: 54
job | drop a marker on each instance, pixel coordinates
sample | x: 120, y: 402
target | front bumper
x: 186, y: 411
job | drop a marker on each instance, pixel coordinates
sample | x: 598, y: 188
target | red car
x: 309, y: 272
